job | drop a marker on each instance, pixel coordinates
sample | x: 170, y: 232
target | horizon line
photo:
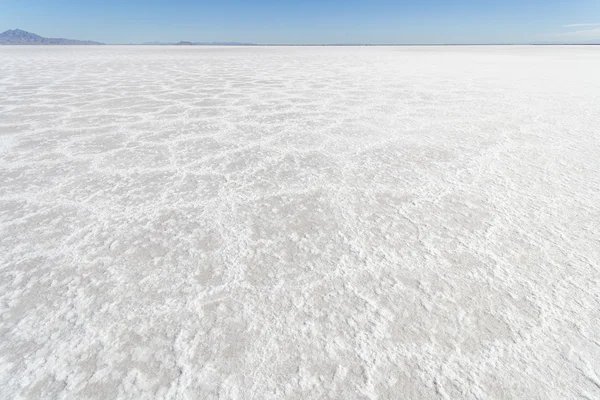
x: 241, y: 44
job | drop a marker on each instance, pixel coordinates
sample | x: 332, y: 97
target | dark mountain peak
x: 19, y: 36
x: 18, y: 33
x: 14, y: 32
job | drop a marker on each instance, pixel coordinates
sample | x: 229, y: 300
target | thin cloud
x: 581, y: 34
x: 579, y: 25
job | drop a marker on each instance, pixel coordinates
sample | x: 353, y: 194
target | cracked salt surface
x: 261, y: 223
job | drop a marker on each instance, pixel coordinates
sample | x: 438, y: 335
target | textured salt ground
x: 266, y: 223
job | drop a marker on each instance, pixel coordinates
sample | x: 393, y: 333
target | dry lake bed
x: 300, y: 222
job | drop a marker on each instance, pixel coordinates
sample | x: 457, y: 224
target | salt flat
x: 300, y: 222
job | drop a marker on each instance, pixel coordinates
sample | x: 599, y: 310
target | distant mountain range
x: 18, y: 36
x: 21, y: 37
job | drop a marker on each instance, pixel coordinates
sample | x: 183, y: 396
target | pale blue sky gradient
x: 310, y: 21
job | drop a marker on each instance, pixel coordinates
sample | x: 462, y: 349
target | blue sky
x: 309, y: 21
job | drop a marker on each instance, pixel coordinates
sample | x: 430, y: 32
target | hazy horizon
x: 246, y: 43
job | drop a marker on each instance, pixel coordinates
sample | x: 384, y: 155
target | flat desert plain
x: 300, y: 222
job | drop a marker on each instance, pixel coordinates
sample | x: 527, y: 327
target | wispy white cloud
x: 580, y: 34
x: 577, y: 35
x: 579, y: 25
